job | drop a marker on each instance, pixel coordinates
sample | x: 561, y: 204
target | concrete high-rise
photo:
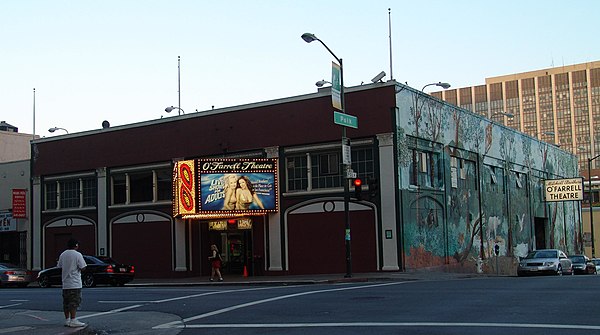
x: 559, y: 105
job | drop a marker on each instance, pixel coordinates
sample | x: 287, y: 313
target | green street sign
x: 345, y: 120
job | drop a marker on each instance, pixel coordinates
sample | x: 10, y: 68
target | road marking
x: 6, y: 306
x: 26, y: 313
x: 19, y: 300
x: 14, y: 329
x: 182, y: 323
x: 393, y: 324
x: 109, y: 312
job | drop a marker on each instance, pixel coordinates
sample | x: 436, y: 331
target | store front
x: 228, y: 199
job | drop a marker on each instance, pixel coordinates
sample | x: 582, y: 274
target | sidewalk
x: 306, y: 279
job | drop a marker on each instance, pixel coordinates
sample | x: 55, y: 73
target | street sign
x: 346, y: 154
x: 336, y: 86
x: 345, y: 120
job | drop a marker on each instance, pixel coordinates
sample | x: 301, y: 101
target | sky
x: 117, y: 60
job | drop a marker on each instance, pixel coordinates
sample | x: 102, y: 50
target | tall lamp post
x: 590, y: 198
x: 440, y: 84
x: 53, y: 129
x: 170, y: 109
x: 308, y: 38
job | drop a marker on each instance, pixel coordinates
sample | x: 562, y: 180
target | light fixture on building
x: 170, y: 109
x: 53, y: 129
x: 440, y: 84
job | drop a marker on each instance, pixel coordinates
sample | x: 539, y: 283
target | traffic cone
x: 245, y: 272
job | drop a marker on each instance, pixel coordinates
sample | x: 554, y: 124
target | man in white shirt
x: 72, y: 263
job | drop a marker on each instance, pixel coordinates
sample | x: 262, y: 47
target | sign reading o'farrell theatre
x: 564, y: 189
x: 226, y: 186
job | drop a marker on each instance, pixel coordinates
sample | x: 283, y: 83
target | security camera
x: 378, y: 77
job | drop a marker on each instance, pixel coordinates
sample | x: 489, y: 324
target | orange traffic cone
x: 245, y: 272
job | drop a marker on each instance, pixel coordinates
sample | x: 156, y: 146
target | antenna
x: 34, y: 113
x: 390, y: 34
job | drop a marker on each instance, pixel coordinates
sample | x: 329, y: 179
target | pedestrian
x: 215, y: 262
x: 71, y: 263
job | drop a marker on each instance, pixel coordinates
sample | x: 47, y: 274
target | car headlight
x: 549, y: 263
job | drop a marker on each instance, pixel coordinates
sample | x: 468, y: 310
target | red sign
x: 19, y: 203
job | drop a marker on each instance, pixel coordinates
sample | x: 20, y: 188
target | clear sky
x: 116, y: 60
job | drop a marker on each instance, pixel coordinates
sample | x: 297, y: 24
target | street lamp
x: 320, y: 83
x: 590, y: 198
x: 509, y: 115
x: 440, y: 84
x: 53, y: 129
x: 170, y: 109
x: 308, y: 38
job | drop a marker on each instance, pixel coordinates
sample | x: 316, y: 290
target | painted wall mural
x: 472, y: 184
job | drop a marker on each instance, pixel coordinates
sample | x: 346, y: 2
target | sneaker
x: 76, y: 324
x: 67, y: 322
x: 211, y: 279
x: 220, y: 279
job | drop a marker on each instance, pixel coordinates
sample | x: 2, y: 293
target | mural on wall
x: 491, y: 186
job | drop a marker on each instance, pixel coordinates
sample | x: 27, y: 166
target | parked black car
x: 99, y: 270
x: 582, y: 264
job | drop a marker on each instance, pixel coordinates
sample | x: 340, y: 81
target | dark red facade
x: 152, y: 244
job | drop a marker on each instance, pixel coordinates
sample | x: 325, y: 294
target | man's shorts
x: 71, y: 298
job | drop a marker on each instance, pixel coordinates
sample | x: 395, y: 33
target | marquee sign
x: 564, y: 189
x: 184, y: 188
x: 225, y: 187
x: 237, y: 185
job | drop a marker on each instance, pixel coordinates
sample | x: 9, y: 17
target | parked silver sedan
x: 11, y: 274
x: 596, y: 262
x: 545, y: 261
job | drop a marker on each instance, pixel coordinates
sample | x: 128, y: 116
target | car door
x: 566, y: 263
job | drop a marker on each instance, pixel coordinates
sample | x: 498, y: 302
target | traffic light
x: 357, y: 188
x: 373, y: 187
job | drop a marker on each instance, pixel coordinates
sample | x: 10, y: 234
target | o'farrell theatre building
x: 443, y: 188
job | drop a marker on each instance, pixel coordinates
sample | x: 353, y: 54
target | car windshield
x: 543, y: 254
x: 577, y: 259
x: 92, y: 260
x: 596, y: 261
x: 7, y: 266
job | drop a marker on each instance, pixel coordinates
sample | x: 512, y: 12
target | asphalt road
x: 501, y: 305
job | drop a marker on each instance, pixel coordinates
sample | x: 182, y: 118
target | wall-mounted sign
x: 238, y: 185
x: 564, y: 189
x: 19, y: 203
x: 217, y: 225
x: 184, y: 188
x: 244, y: 223
x: 7, y: 222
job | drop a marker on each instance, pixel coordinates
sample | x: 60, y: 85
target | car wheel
x: 44, y: 282
x: 88, y: 280
x: 559, y: 271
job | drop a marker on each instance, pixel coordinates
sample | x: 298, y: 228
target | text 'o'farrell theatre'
x: 564, y: 189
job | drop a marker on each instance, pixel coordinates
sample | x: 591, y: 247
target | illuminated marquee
x: 184, y: 188
x: 237, y: 186
x: 564, y: 189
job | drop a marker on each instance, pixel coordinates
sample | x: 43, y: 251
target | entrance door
x: 236, y: 248
x: 540, y: 233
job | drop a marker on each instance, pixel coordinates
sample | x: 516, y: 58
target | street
x: 490, y: 305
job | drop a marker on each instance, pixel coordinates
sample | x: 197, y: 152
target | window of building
x: 119, y: 189
x: 51, y: 195
x: 307, y: 171
x: 141, y: 185
x: 70, y: 192
x: 164, y: 180
x: 425, y: 169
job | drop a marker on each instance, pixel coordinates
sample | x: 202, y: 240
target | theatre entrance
x: 236, y: 250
